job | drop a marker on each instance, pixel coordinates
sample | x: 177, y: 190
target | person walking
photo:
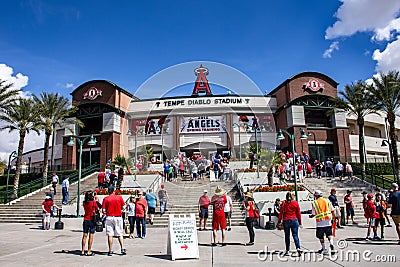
x: 291, y: 216
x: 335, y: 204
x: 65, y: 190
x: 166, y: 167
x: 323, y: 212
x: 163, y: 198
x: 54, y: 182
x: 381, y: 211
x: 141, y: 211
x: 112, y: 207
x: 348, y: 200
x: 151, y: 199
x: 349, y: 171
x: 339, y: 170
x: 89, y: 224
x: 394, y: 204
x: 101, y: 177
x: 204, y: 202
x: 371, y: 214
x: 228, y: 211
x: 218, y: 202
x: 131, y: 212
x: 249, y: 208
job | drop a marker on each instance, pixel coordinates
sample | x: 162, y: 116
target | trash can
x: 59, y: 225
x: 342, y: 216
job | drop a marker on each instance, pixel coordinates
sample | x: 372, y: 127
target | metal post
x: 13, y: 154
x: 79, y: 176
x: 258, y: 162
x: 240, y: 144
x: 162, y: 144
x: 136, y: 170
x: 291, y: 136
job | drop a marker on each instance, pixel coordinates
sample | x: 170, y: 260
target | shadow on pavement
x: 77, y: 252
x: 161, y: 257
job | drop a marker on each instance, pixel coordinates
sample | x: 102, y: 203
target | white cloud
x: 389, y: 58
x: 361, y: 16
x: 69, y: 85
x: 388, y: 32
x: 19, y: 80
x: 328, y: 52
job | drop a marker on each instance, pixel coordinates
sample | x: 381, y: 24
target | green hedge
x: 378, y: 168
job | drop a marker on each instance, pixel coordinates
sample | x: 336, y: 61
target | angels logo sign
x: 92, y: 93
x: 313, y: 85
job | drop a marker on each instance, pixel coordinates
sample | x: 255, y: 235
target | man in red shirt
x: 141, y: 211
x: 204, y: 202
x: 100, y: 179
x: 47, y: 206
x: 112, y: 207
x: 218, y: 221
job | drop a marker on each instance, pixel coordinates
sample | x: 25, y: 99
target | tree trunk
x: 120, y: 177
x: 18, y: 164
x: 360, y: 123
x: 46, y: 157
x: 393, y: 141
x: 270, y: 176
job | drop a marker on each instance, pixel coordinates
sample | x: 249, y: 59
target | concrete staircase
x: 29, y: 208
x: 184, y: 196
x: 356, y: 185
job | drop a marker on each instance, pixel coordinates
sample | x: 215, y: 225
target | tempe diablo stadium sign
x: 203, y: 124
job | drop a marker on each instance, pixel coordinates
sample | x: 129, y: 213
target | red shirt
x: 290, y: 211
x: 141, y: 205
x: 204, y: 201
x: 90, y: 208
x: 250, y: 212
x: 101, y: 177
x: 113, y: 205
x: 47, y: 205
x: 370, y: 210
x: 218, y: 203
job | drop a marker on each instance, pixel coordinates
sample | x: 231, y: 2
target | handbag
x: 97, y: 220
x: 279, y: 225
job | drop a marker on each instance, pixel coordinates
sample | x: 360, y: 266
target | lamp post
x: 387, y: 142
x: 71, y: 142
x: 12, y: 155
x: 256, y: 129
x: 315, y: 143
x: 160, y: 128
x: 291, y: 137
x: 240, y: 144
x: 130, y: 133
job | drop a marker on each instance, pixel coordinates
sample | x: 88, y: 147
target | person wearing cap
x: 249, y: 206
x: 50, y: 193
x: 47, y: 207
x: 204, y: 202
x: 163, y: 198
x: 141, y: 211
x: 54, y: 182
x: 371, y: 214
x: 218, y: 202
x: 394, y: 204
x: 348, y: 200
x: 323, y: 212
x: 335, y: 204
x: 65, y: 190
x: 112, y: 207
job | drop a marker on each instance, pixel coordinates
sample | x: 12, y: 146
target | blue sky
x: 55, y: 46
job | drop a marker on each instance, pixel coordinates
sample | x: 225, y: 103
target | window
x: 317, y: 118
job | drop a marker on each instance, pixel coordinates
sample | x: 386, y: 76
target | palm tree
x: 22, y: 117
x: 386, y: 91
x: 54, y: 112
x: 7, y: 95
x: 122, y: 163
x: 357, y: 101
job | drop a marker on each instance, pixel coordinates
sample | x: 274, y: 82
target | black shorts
x: 89, y: 226
x: 321, y: 231
x: 203, y: 213
x: 228, y: 214
x: 151, y: 210
x: 350, y: 212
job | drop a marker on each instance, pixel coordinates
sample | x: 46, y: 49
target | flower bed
x: 148, y: 173
x: 117, y: 192
x: 277, y: 188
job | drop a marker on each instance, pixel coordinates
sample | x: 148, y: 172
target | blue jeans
x: 65, y: 195
x: 293, y: 225
x: 141, y: 226
x: 163, y: 205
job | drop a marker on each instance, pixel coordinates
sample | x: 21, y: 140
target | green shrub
x: 378, y: 168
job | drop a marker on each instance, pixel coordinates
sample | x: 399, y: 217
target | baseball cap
x: 394, y: 185
x: 333, y: 190
x: 370, y: 196
x: 364, y: 193
x: 205, y: 191
x: 317, y: 193
x: 47, y: 197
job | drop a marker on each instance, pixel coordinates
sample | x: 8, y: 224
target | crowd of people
x: 305, y: 167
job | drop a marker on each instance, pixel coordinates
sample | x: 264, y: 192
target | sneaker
x: 377, y: 238
x: 249, y: 244
x: 322, y: 251
x: 151, y: 222
x: 368, y: 238
x: 123, y: 251
x: 109, y: 253
x: 143, y: 236
x: 299, y: 252
x: 229, y: 229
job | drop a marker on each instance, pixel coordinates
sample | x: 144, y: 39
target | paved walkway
x: 26, y: 245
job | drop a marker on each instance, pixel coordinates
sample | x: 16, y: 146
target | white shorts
x: 46, y: 217
x: 114, y: 226
x: 337, y: 211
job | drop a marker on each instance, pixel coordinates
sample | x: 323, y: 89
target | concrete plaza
x: 27, y: 245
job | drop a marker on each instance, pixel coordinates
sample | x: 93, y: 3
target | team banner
x: 248, y: 122
x: 205, y: 124
x: 152, y: 126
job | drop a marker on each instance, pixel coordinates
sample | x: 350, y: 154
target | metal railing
x: 373, y: 177
x: 7, y: 196
x: 156, y: 183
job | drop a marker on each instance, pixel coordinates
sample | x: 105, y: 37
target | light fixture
x: 92, y: 141
x: 303, y: 135
x: 384, y: 143
x: 280, y: 136
x: 71, y: 142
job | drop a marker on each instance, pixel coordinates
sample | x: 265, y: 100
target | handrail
x: 38, y: 183
x: 156, y: 183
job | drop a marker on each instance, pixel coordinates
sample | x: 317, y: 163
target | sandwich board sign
x: 182, y: 237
